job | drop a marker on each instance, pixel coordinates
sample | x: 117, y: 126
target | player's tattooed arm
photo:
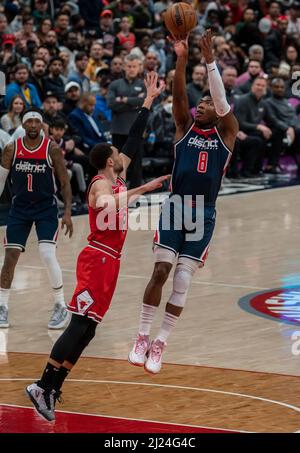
x: 6, y: 162
x: 62, y: 174
x: 7, y: 156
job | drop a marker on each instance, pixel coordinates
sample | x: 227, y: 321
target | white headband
x: 31, y: 116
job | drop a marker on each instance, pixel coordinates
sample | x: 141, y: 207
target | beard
x: 33, y: 135
x: 118, y: 168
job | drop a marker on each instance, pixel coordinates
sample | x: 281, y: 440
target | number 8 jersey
x: 32, y: 175
x: 201, y: 159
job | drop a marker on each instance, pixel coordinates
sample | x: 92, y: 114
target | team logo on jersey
x: 28, y: 167
x: 203, y: 143
x: 20, y: 153
x: 279, y: 304
x: 84, y: 300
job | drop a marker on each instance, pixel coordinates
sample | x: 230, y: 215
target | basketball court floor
x: 233, y: 362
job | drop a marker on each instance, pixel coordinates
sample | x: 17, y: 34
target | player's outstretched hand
x: 153, y: 91
x: 181, y: 46
x: 66, y: 221
x: 156, y: 183
x: 207, y: 46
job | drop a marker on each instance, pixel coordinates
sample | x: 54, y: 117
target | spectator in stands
x: 54, y: 81
x: 57, y: 132
x: 293, y: 28
x: 43, y: 29
x: 40, y: 12
x: 78, y: 75
x: 26, y: 33
x: 125, y: 39
x: 85, y: 123
x: 247, y: 31
x: 72, y: 97
x: 43, y: 53
x: 229, y: 76
x: 117, y: 68
x: 196, y: 86
x: 254, y: 70
x: 158, y: 47
x: 124, y: 97
x: 250, y: 111
x: 151, y: 62
x: 51, y: 43
x: 276, y: 41
x: 141, y: 50
x: 37, y: 76
x: 256, y: 52
x: 21, y: 86
x: 284, y: 123
x: 274, y: 13
x: 102, y: 110
x: 12, y: 119
x: 105, y: 23
x: 62, y: 27
x: 95, y: 61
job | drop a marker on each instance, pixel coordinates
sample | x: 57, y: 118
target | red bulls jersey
x: 32, y: 175
x: 108, y: 231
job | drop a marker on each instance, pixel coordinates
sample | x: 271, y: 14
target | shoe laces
x: 141, y: 344
x: 157, y: 348
x: 57, y: 313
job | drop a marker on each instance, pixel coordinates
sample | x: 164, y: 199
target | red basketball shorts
x: 97, y: 275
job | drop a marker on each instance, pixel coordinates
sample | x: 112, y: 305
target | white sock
x: 168, y: 324
x: 59, y: 296
x: 146, y: 318
x: 4, y: 296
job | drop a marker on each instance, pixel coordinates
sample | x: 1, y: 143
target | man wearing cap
x: 72, y: 97
x: 31, y: 161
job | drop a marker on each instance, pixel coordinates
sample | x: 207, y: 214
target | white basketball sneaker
x: 59, y: 318
x: 43, y: 401
x: 154, y: 361
x: 137, y: 355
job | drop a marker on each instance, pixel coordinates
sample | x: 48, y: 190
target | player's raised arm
x: 138, y: 127
x: 228, y: 124
x: 6, y: 161
x: 182, y: 116
x: 61, y: 172
x: 101, y: 195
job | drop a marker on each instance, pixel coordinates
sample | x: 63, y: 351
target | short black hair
x: 99, y: 155
x: 58, y: 123
x: 206, y: 93
x: 33, y: 109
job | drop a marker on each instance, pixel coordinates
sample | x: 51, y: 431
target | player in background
x: 33, y: 161
x: 99, y: 262
x: 202, y: 151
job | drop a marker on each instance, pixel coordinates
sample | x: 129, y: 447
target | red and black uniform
x: 98, y: 264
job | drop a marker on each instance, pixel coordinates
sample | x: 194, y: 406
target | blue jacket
x: 79, y: 122
x: 14, y: 88
x: 101, y: 108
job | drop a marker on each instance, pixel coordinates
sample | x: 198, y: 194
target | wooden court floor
x: 225, y: 368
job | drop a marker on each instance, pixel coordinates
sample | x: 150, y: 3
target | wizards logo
x: 279, y: 304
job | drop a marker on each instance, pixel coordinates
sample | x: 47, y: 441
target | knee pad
x: 163, y: 255
x: 181, y: 281
x: 48, y: 257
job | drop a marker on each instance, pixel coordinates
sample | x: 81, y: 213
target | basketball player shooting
x: 99, y: 262
x: 203, y: 149
x: 32, y: 161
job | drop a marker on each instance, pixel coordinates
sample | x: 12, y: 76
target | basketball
x: 180, y: 19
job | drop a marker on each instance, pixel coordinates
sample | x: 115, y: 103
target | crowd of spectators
x: 82, y: 62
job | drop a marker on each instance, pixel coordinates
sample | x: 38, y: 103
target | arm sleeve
x: 136, y: 133
x: 217, y: 90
